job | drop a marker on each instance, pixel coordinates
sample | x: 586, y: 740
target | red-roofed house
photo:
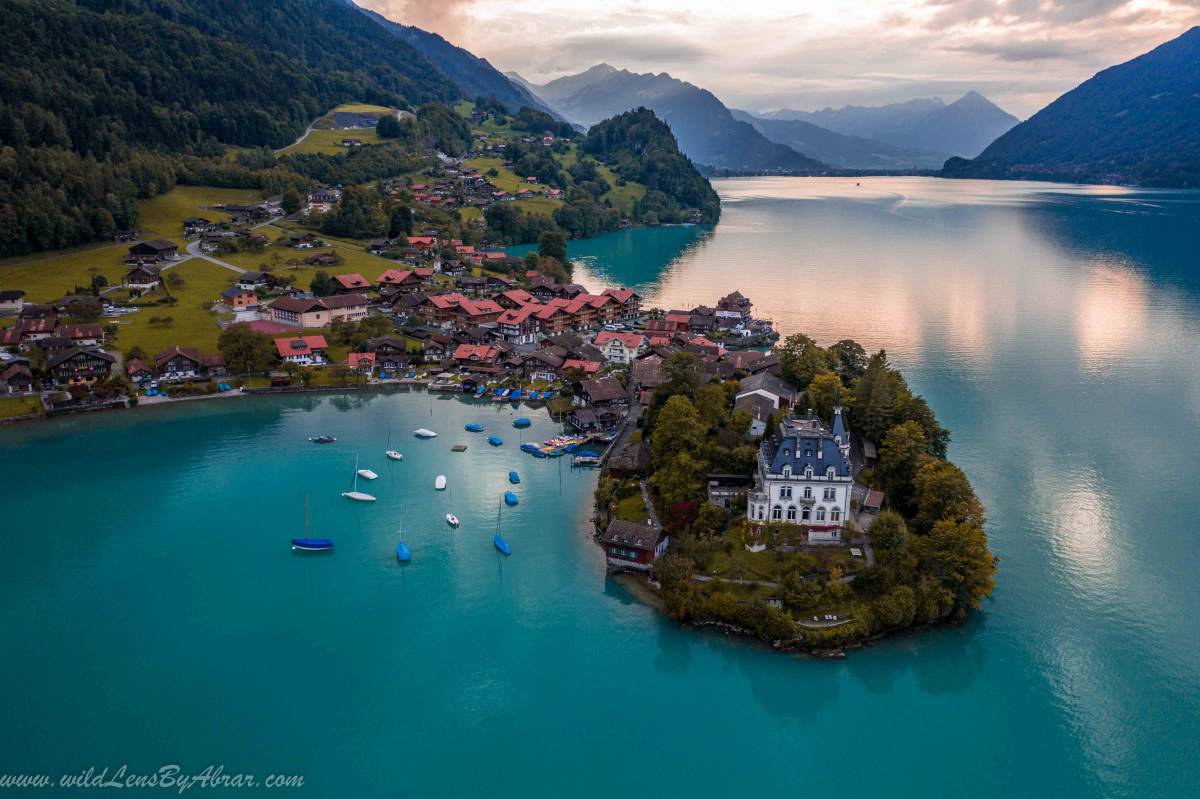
x: 520, y: 325
x: 350, y: 284
x: 589, y: 368
x: 304, y: 350
x: 476, y: 355
x: 554, y: 319
x: 138, y: 372
x: 319, y: 311
x: 86, y: 335
x: 515, y: 298
x: 621, y: 347
x: 440, y: 309
x: 422, y: 242
x: 679, y: 320
x: 361, y: 362
x: 399, y: 279
x: 178, y: 363
x: 477, y: 312
x: 631, y: 301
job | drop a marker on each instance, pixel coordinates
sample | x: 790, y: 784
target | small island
x: 801, y: 497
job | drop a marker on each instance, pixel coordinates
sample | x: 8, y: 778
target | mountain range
x: 838, y: 150
x: 1137, y: 122
x: 706, y: 130
x: 962, y: 128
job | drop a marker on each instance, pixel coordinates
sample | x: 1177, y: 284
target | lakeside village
x: 733, y: 484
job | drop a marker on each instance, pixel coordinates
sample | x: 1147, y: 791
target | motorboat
x: 473, y: 427
x: 495, y: 441
x: 459, y: 448
x: 451, y: 520
x: 322, y: 439
x: 367, y: 474
x: 422, y: 432
x: 514, y: 478
x: 522, y: 422
x: 510, y: 498
x: 440, y: 482
x: 529, y: 447
x: 394, y: 455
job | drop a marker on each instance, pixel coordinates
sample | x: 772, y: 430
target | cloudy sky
x: 806, y: 54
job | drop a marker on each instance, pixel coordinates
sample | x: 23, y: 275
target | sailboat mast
x: 306, y: 515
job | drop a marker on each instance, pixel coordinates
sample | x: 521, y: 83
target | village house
x: 152, y: 252
x: 541, y: 364
x: 146, y: 277
x: 350, y: 284
x: 178, y: 363
x: 588, y: 368
x: 82, y: 335
x: 16, y: 378
x: 475, y: 355
x: 621, y: 348
x: 725, y: 490
x: 239, y: 299
x: 80, y: 366
x: 302, y: 241
x: 633, y: 547
x: 253, y: 281
x: 603, y: 392
x: 138, y: 372
x: 11, y: 302
x: 194, y: 226
x: 630, y: 300
x: 362, y: 362
x: 765, y: 384
x: 302, y: 350
x: 319, y: 311
x: 323, y: 259
x: 399, y: 280
x: 391, y: 354
x: 519, y: 325
x: 804, y: 477
x: 760, y: 408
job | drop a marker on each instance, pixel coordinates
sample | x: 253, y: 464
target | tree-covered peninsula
x: 909, y: 550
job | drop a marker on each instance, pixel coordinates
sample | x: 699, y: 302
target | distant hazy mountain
x: 474, y: 76
x: 963, y: 127
x: 839, y: 150
x: 705, y: 129
x: 1137, y: 122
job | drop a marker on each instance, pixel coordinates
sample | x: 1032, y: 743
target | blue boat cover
x: 514, y: 478
x: 494, y: 441
x: 312, y: 543
x: 522, y: 422
x: 499, y: 543
x: 529, y: 447
x: 510, y: 498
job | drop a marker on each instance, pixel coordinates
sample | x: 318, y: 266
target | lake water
x: 152, y: 612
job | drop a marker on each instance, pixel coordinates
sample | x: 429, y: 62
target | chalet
x: 378, y: 246
x: 422, y: 243
x: 138, y: 372
x: 11, y: 302
x: 630, y: 300
x: 145, y: 277
x: 542, y: 365
x: 32, y: 331
x: 363, y: 362
x: 647, y: 372
x: 319, y: 311
x: 194, y: 226
x: 214, y: 364
x: 632, y: 546
x: 586, y: 420
x: 16, y: 378
x: 178, y: 363
x: 350, y: 284
x: 471, y: 355
x: 323, y: 259
x: 78, y: 304
x: 391, y: 354
x: 554, y: 319
x: 80, y: 366
x: 239, y: 299
x: 400, y: 280
x: 434, y: 349
x: 472, y: 286
x: 302, y: 241
x: 622, y: 348
x: 588, y: 368
x: 213, y: 240
x: 733, y: 309
x: 324, y: 195
x: 768, y: 385
x: 678, y: 320
x: 476, y: 312
x: 519, y: 325
x: 304, y: 350
x: 603, y: 392
x: 152, y: 252
x: 86, y: 335
x: 253, y: 281
x: 352, y: 142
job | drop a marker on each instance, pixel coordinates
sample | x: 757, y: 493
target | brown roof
x: 604, y: 389
x: 188, y: 352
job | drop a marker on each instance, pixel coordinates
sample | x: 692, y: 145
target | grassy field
x: 193, y: 325
x: 11, y: 407
x: 330, y: 141
x: 162, y: 216
x: 622, y: 197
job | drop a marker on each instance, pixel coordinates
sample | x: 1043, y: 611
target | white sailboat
x: 451, y: 520
x: 354, y: 493
x: 392, y: 454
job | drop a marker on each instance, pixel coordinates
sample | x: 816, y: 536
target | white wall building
x: 804, y: 477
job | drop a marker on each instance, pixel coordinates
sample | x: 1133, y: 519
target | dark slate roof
x: 803, y: 451
x: 71, y: 353
x: 758, y: 406
x: 635, y: 536
x: 839, y: 427
x: 767, y: 382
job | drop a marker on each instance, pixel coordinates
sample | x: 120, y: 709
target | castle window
x: 808, y: 492
x: 805, y: 514
x: 829, y: 494
x: 791, y: 513
x: 785, y: 492
x: 835, y: 515
x: 820, y: 514
x: 776, y: 513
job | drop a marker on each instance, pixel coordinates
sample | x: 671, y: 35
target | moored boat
x: 514, y: 478
x: 451, y: 520
x: 500, y: 544
x: 522, y: 422
x: 510, y: 498
x: 459, y: 448
x: 394, y: 455
x: 529, y: 447
x: 307, y: 543
x: 322, y: 439
x: 354, y: 493
x: 473, y: 427
x: 495, y: 441
x: 440, y: 482
x: 367, y: 474
x: 422, y: 432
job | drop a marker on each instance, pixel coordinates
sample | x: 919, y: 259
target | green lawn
x: 48, y: 275
x: 162, y: 216
x: 632, y: 509
x: 193, y: 325
x: 330, y: 141
x: 11, y: 407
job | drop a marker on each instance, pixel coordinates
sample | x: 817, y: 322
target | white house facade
x: 804, y: 477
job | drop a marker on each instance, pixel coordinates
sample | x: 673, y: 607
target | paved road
x: 193, y: 249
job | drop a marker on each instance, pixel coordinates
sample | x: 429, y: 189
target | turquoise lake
x: 152, y: 611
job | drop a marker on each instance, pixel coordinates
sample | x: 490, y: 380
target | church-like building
x: 804, y: 477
